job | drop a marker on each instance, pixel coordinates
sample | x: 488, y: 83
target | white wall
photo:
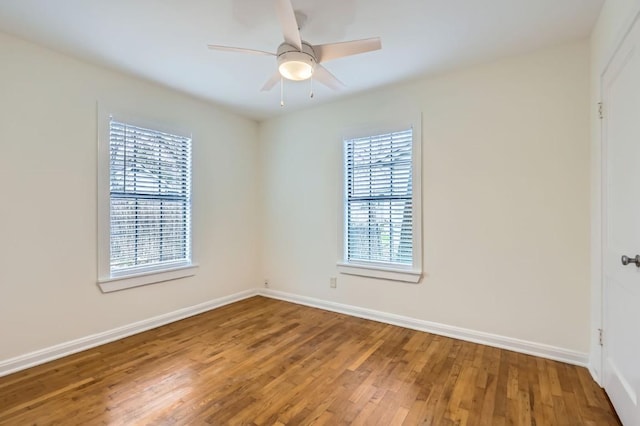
x: 505, y: 198
x: 48, y: 291
x: 614, y: 20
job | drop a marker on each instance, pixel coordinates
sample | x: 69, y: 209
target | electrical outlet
x: 333, y: 282
x: 266, y: 283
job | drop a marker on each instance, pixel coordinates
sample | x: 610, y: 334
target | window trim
x: 149, y: 277
x: 410, y: 273
x: 143, y: 276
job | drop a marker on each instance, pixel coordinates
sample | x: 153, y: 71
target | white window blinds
x: 379, y: 194
x: 150, y: 199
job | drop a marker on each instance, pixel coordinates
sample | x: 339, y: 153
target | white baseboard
x: 594, y: 375
x: 509, y: 343
x: 32, y: 359
x: 58, y: 351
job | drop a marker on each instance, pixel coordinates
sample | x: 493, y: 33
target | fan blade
x: 275, y: 78
x: 327, y: 52
x: 240, y: 50
x: 287, y: 18
x: 322, y: 75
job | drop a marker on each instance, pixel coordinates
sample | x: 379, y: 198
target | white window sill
x: 110, y: 284
x: 371, y: 271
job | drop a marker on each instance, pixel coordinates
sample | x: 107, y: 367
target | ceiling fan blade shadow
x: 287, y: 18
x: 330, y: 51
x: 239, y: 50
x: 322, y: 75
x: 273, y: 80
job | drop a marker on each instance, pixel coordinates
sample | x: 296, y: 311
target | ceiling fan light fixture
x: 294, y: 64
x: 296, y: 70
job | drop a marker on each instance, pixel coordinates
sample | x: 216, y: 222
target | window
x: 381, y: 207
x: 149, y: 206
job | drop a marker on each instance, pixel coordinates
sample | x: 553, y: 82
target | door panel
x: 621, y: 214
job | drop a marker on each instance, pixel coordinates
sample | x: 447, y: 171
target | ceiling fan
x: 298, y: 60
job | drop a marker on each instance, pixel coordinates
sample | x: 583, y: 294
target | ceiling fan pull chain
x: 281, y: 91
x: 311, y: 94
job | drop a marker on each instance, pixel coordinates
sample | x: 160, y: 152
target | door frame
x: 599, y: 206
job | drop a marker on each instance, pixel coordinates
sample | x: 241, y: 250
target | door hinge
x: 600, y: 111
x: 600, y: 336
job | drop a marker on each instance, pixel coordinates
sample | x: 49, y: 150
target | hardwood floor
x: 262, y: 361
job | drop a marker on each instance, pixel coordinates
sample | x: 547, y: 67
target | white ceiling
x: 165, y: 40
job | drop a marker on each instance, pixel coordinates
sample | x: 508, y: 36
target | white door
x: 621, y: 214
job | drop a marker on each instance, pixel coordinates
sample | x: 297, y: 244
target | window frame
x: 409, y: 273
x: 121, y: 280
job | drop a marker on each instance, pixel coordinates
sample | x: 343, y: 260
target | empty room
x: 294, y: 212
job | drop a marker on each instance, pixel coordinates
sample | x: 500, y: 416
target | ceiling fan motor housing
x: 294, y: 64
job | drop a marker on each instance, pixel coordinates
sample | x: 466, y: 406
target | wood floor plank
x: 267, y: 362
